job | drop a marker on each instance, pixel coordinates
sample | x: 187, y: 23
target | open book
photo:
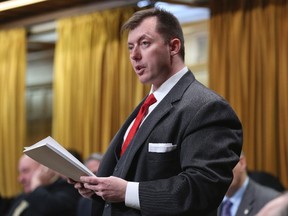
x: 52, y: 155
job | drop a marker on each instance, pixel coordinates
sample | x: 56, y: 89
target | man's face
x: 149, y: 53
x: 239, y: 176
x: 26, y: 169
x: 93, y: 165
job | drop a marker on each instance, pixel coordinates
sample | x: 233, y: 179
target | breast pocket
x: 163, y: 160
x: 162, y: 152
x: 161, y: 147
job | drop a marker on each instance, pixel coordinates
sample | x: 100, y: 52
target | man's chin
x: 143, y: 80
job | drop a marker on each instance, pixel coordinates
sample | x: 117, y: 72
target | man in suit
x: 180, y: 160
x: 45, y: 192
x: 26, y: 169
x: 246, y: 196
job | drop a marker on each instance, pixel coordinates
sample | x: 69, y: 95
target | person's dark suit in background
x: 267, y: 179
x: 45, y: 192
x: 85, y: 205
x: 180, y: 160
x: 246, y: 195
x: 55, y: 199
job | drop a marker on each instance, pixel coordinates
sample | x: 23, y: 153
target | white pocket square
x: 161, y: 147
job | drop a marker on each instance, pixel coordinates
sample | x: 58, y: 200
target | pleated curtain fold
x: 12, y: 109
x: 248, y: 66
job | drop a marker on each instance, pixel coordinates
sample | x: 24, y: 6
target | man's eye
x: 130, y: 48
x: 145, y: 43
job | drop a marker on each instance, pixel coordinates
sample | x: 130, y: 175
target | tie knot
x: 226, y: 208
x: 150, y: 100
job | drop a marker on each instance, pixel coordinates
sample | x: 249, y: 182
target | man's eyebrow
x: 144, y: 36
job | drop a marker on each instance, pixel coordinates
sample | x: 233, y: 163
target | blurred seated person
x: 276, y: 207
x: 85, y: 204
x: 93, y: 162
x: 245, y: 196
x: 45, y: 192
x: 267, y: 179
x: 26, y: 169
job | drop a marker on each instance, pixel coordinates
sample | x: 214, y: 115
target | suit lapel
x: 248, y: 198
x: 154, y: 117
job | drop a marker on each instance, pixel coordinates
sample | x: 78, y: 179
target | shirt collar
x: 237, y: 197
x: 163, y: 90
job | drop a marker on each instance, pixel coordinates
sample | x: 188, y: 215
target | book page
x: 51, y: 154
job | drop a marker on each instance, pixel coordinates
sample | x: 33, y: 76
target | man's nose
x: 21, y: 178
x: 135, y: 54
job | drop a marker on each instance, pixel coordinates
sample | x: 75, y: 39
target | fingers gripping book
x: 54, y: 156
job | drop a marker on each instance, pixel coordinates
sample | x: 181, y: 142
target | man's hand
x: 42, y: 176
x: 111, y: 189
x: 87, y: 193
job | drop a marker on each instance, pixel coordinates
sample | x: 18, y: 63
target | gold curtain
x: 12, y: 109
x: 248, y: 66
x: 95, y: 87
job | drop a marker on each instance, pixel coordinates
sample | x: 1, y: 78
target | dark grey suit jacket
x: 254, y: 198
x: 190, y: 179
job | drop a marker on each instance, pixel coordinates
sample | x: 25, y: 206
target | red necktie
x: 142, y: 112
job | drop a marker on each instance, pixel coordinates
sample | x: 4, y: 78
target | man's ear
x: 175, y: 46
